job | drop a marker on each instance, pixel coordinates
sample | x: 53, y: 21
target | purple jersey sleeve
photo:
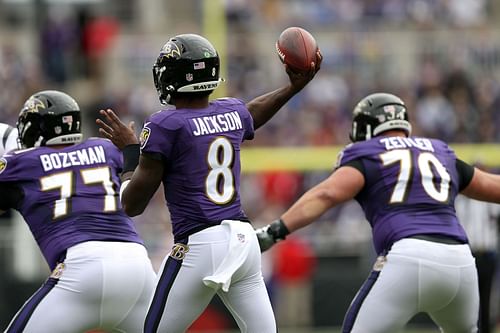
x: 70, y: 195
x: 201, y: 152
x: 410, y: 187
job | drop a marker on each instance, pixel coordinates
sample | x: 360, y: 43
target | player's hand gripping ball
x: 297, y: 48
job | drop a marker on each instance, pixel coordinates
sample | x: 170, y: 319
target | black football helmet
x: 47, y: 118
x: 377, y: 113
x: 186, y: 63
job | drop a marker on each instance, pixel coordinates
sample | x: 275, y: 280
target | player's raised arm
x: 265, y: 106
x: 141, y: 174
x: 115, y: 130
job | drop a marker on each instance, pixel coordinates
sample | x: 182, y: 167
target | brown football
x: 297, y: 48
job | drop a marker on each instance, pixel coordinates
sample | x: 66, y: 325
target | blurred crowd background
x: 441, y: 56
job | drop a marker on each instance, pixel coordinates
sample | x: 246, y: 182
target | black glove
x: 271, y: 233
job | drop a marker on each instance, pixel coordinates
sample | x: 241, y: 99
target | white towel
x: 240, y: 242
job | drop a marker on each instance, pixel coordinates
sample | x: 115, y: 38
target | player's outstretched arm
x: 264, y: 107
x: 484, y: 186
x: 341, y: 186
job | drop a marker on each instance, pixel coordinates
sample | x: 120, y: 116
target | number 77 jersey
x: 68, y: 196
x: 410, y: 187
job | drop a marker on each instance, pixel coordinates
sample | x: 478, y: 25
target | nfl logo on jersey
x: 241, y: 238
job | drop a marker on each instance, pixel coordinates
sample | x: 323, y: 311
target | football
x: 297, y: 48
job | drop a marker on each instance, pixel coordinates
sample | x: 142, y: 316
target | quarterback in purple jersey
x: 406, y: 187
x: 194, y: 150
x: 66, y: 191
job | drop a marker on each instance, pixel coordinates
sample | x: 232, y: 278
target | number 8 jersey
x: 201, y: 152
x: 410, y: 187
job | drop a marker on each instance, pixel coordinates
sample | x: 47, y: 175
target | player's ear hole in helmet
x: 187, y: 63
x: 47, y: 118
x: 377, y: 113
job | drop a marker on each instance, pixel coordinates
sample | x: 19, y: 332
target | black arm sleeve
x: 465, y: 173
x: 131, y: 155
x: 13, y: 195
x: 155, y: 156
x: 357, y: 165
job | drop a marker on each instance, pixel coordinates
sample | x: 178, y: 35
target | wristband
x: 131, y: 155
x: 278, y: 230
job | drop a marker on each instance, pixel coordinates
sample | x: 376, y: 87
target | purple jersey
x: 410, y: 187
x: 70, y: 195
x: 201, y: 152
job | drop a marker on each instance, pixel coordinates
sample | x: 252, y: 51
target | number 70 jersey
x: 410, y: 187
